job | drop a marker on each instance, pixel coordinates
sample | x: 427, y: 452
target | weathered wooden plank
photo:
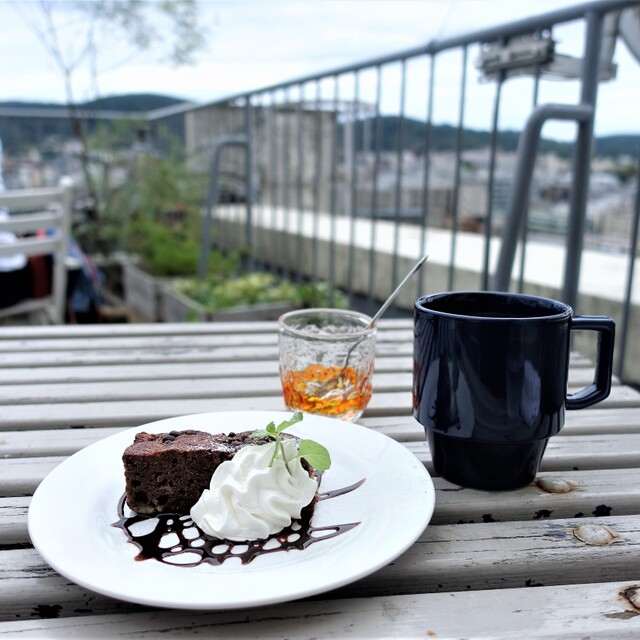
x: 51, y: 442
x: 445, y: 558
x: 158, y: 355
x: 621, y: 396
x: 20, y: 476
x: 613, y: 451
x: 167, y: 371
x: 620, y: 419
x: 64, y: 442
x: 600, y: 611
x: 584, y: 422
x: 146, y: 390
x: 120, y: 412
x: 30, y: 588
x: 61, y: 442
x: 13, y: 521
x: 98, y: 344
x: 206, y: 341
x: 141, y: 355
x: 596, y: 493
x: 82, y: 332
x: 25, y: 383
x: 190, y: 370
x: 151, y: 390
x: 513, y: 554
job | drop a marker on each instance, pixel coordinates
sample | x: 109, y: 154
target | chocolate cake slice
x: 167, y: 472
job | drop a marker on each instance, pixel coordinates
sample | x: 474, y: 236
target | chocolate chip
x: 232, y: 434
x: 168, y: 438
x: 174, y: 433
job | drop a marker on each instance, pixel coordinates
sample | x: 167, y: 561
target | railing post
x: 519, y: 197
x: 582, y: 159
x: 633, y: 249
x: 212, y: 197
x: 249, y: 179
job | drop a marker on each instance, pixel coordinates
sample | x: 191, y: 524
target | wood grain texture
x: 544, y: 612
x: 470, y: 575
x: 445, y: 558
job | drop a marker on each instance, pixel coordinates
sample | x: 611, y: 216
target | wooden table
x: 495, y: 565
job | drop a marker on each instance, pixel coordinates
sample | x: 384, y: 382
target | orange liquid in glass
x: 329, y: 391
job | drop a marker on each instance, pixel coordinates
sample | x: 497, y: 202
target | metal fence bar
x: 633, y: 250
x: 458, y: 162
x: 212, y: 195
x: 426, y: 175
x: 333, y: 193
x: 353, y: 193
x: 286, y: 186
x: 318, y: 184
x: 582, y: 159
x: 398, y: 189
x: 492, y: 169
x: 299, y: 181
x: 260, y: 148
x: 374, y: 185
x: 249, y: 239
x: 525, y: 225
x: 273, y: 154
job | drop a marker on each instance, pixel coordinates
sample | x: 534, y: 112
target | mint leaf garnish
x: 313, y: 452
x: 285, y: 424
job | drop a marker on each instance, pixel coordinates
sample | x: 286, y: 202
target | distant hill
x: 129, y: 102
x: 133, y: 102
x: 618, y: 145
x: 21, y: 132
x: 18, y: 133
x: 444, y: 137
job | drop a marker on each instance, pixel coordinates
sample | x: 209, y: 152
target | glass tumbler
x: 326, y: 361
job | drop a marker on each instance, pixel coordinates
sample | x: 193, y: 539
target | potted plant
x: 160, y: 207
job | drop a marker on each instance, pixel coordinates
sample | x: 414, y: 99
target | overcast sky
x: 253, y: 43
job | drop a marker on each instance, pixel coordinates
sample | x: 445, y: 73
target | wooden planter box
x: 266, y: 311
x: 176, y: 307
x: 155, y: 300
x: 142, y: 292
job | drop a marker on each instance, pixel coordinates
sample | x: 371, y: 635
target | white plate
x: 72, y: 511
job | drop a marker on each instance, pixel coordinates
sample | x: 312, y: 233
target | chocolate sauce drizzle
x: 176, y: 540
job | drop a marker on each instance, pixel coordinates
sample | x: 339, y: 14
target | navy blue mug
x: 490, y: 381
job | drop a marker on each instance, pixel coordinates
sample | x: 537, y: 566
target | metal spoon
x: 396, y: 291
x: 333, y: 381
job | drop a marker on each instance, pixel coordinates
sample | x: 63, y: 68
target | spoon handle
x: 396, y: 291
x: 333, y: 381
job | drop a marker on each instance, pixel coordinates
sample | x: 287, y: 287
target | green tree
x: 75, y: 34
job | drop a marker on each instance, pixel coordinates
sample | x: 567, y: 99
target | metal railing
x: 335, y: 186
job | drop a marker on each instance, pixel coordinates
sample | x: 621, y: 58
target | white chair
x: 49, y: 209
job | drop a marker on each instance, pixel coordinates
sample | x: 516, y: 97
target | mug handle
x: 601, y: 386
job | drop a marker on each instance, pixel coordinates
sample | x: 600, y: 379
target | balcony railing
x: 347, y: 176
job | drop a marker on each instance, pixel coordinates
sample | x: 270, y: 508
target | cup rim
x: 565, y: 312
x: 301, y: 333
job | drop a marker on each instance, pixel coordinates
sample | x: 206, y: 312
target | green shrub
x: 256, y: 288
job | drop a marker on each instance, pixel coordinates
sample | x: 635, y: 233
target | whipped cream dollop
x: 248, y: 500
